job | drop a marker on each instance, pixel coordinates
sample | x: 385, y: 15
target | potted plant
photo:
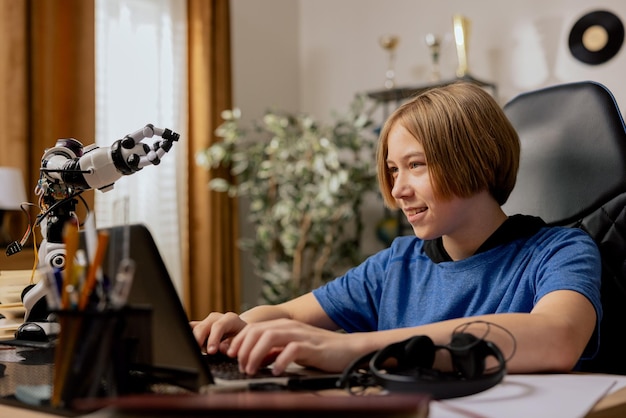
x: 305, y: 183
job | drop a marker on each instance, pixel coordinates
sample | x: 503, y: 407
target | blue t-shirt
x: 402, y: 287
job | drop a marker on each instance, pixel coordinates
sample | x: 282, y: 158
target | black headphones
x: 406, y: 366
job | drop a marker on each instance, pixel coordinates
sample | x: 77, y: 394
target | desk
x: 17, y: 412
x: 612, y: 405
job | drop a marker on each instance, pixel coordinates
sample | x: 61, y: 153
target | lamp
x: 12, y: 195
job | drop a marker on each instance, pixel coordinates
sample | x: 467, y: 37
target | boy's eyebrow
x: 410, y: 155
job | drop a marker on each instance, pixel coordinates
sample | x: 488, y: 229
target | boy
x: 448, y: 159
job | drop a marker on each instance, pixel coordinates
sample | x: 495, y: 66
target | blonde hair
x: 469, y: 143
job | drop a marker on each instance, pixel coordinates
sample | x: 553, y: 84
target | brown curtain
x: 213, y: 265
x: 48, y: 78
x: 14, y: 145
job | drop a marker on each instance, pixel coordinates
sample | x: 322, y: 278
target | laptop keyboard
x: 227, y: 368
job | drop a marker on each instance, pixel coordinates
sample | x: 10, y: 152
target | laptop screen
x: 176, y: 356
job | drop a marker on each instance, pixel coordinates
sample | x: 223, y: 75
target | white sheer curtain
x: 141, y: 78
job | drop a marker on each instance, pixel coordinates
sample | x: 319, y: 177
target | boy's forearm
x: 263, y: 313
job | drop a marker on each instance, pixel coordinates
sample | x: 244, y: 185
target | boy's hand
x: 214, y: 333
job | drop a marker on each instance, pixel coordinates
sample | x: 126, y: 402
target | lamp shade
x: 12, y: 191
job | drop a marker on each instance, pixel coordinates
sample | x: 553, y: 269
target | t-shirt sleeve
x: 352, y: 301
x: 574, y: 263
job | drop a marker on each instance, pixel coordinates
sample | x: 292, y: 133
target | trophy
x: 434, y: 44
x: 461, y: 37
x: 389, y: 43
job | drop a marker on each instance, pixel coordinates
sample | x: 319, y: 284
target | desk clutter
x: 83, y: 341
x: 92, y: 357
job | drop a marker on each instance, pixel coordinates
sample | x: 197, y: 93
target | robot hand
x: 99, y: 168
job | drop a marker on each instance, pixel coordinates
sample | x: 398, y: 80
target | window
x: 140, y: 79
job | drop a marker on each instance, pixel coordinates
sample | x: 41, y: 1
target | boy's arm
x: 214, y: 332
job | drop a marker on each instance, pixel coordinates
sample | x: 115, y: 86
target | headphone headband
x: 411, y: 368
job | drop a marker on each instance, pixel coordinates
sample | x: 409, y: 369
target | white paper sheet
x: 546, y: 395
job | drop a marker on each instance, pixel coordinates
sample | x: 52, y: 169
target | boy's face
x: 429, y: 215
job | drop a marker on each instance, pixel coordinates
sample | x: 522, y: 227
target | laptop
x: 175, y: 356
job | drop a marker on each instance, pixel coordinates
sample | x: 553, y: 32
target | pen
x: 58, y: 278
x: 91, y: 236
x: 52, y: 289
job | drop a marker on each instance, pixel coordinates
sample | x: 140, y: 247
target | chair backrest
x: 573, y: 173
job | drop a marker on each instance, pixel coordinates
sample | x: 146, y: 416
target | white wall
x: 315, y: 55
x: 265, y: 55
x: 266, y: 47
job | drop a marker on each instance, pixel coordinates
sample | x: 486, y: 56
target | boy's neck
x: 485, y: 217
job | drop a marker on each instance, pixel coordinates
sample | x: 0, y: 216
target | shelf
x: 399, y: 94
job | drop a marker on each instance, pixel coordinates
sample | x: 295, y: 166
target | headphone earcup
x: 419, y: 352
x: 468, y: 354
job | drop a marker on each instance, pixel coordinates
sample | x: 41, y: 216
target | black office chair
x: 573, y: 173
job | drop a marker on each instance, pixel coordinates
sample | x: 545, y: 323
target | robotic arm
x: 67, y: 163
x: 67, y: 170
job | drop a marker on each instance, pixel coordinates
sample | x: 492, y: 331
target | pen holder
x: 96, y: 351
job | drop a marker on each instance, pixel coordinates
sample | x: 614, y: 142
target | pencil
x: 70, y: 238
x: 69, y: 332
x: 90, y: 281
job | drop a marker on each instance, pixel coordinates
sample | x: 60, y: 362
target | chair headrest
x: 573, y: 151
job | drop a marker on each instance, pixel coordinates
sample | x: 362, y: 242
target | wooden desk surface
x: 17, y: 412
x: 611, y: 406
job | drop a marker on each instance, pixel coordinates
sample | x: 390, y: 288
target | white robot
x: 67, y: 170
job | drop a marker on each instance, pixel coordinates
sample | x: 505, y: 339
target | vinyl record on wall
x: 596, y: 37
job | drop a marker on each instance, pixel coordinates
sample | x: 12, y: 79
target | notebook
x: 176, y: 357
